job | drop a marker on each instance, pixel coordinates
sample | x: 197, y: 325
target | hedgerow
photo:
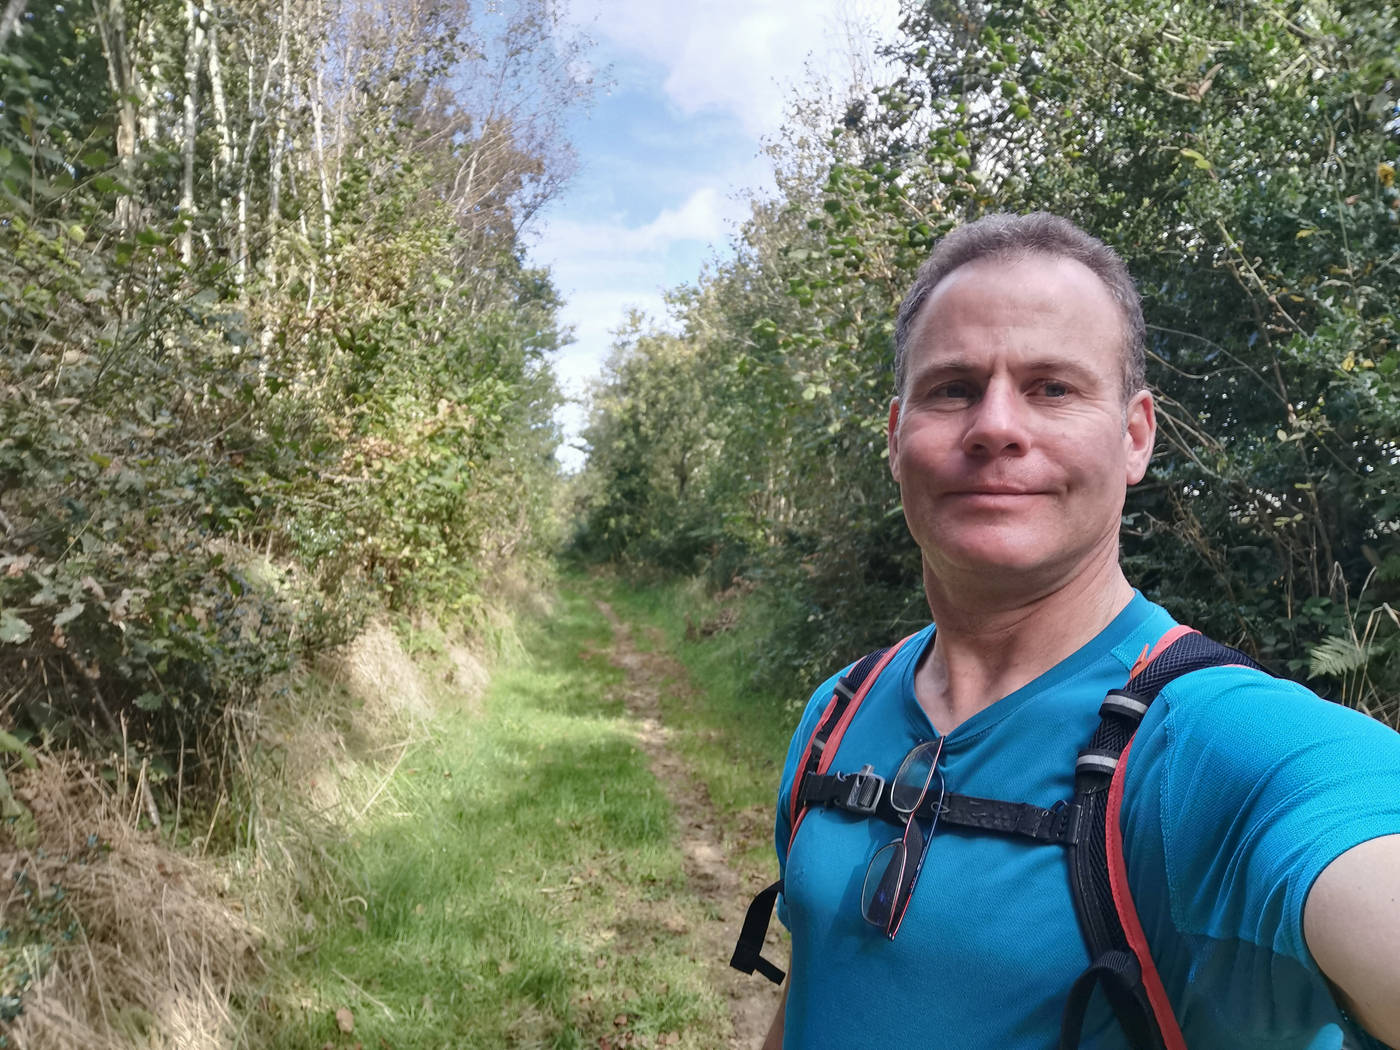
x: 270, y: 356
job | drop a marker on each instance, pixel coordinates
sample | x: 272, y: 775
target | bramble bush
x: 249, y: 393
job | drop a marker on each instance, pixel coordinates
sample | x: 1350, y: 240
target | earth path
x: 711, y: 879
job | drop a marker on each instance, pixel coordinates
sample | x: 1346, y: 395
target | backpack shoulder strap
x: 822, y: 745
x: 1121, y: 962
x: 821, y: 748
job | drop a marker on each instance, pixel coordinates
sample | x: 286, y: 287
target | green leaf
x: 1197, y: 159
x: 69, y: 614
x: 149, y: 702
x: 1337, y: 656
x: 13, y: 629
x: 11, y: 744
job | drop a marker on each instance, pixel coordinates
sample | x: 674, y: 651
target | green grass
x: 731, y: 734
x: 515, y: 884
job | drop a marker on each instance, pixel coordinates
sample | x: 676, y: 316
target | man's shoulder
x: 1231, y: 690
x: 1238, y: 724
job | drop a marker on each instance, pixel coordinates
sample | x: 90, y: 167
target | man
x: 1260, y: 824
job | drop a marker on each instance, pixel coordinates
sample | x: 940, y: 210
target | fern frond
x: 1337, y: 656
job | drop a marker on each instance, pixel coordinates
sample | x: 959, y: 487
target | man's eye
x: 956, y: 391
x: 1050, y: 388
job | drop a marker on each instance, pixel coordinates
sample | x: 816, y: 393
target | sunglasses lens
x: 882, y: 881
x: 913, y: 858
x: 915, y: 774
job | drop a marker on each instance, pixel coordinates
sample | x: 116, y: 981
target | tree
x: 269, y: 351
x: 1241, y: 157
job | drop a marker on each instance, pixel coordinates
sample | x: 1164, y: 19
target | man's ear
x: 1139, y: 434
x: 892, y: 437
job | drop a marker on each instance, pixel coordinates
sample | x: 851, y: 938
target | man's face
x: 1012, y: 442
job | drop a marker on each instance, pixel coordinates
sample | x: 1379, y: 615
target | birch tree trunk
x: 223, y: 167
x: 194, y: 47
x: 148, y: 77
x: 318, y: 105
x: 322, y: 174
x: 256, y: 110
x: 112, y: 28
x: 9, y: 20
x: 279, y: 148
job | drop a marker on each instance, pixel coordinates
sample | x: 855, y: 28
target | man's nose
x: 997, y: 423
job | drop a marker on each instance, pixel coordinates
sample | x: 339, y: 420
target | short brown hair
x: 1017, y: 236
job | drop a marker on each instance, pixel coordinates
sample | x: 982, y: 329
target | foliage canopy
x: 269, y: 350
x: 1241, y: 157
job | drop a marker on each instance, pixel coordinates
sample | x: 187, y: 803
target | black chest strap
x: 748, y: 950
x: 867, y: 794
x: 849, y: 692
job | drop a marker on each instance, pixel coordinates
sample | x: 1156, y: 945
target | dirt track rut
x: 711, y: 879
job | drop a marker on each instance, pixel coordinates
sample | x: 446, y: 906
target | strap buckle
x: 863, y: 790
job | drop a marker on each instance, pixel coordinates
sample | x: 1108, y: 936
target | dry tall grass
x: 133, y: 944
x: 157, y: 946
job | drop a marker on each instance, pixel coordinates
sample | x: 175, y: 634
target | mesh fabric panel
x: 1192, y: 652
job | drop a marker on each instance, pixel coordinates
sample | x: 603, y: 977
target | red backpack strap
x: 821, y: 748
x: 1121, y: 962
x: 822, y: 745
x: 1163, y: 643
x: 1162, y: 1012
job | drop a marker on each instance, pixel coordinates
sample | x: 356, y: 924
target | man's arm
x: 1351, y: 921
x: 774, y: 1039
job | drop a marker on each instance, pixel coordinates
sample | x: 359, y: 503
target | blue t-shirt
x: 1241, y: 788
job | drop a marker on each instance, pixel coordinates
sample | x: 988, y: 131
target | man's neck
x: 986, y: 649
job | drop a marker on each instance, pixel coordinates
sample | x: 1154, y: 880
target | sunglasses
x: 893, y: 871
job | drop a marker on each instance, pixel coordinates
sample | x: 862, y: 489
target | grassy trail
x: 564, y: 867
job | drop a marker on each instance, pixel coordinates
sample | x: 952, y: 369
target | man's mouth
x: 993, y: 490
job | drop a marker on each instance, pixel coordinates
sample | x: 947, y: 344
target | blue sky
x: 670, y: 151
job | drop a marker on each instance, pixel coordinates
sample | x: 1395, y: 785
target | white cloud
x: 742, y: 57
x: 703, y: 217
x: 739, y: 60
x: 604, y: 268
x: 706, y: 216
x: 594, y: 316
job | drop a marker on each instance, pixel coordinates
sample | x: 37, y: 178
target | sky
x: 671, y: 150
